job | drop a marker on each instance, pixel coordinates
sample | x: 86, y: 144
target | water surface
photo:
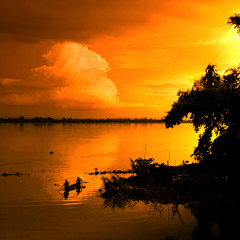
x: 32, y: 207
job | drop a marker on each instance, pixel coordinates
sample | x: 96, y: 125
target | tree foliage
x: 235, y: 20
x: 147, y: 170
x: 213, y: 103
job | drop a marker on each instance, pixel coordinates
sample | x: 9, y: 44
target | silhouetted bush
x: 148, y: 171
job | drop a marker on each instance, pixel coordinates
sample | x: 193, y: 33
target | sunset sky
x: 109, y: 58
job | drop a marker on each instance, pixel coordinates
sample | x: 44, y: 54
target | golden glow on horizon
x: 135, y: 66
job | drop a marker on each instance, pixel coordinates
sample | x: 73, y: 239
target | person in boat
x: 66, y: 185
x: 78, y: 182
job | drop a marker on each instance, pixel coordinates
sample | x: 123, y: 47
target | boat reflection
x: 65, y: 194
x: 67, y: 188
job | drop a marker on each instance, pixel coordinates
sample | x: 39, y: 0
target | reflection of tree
x: 121, y: 194
x: 113, y: 203
x: 170, y: 238
x: 203, y: 230
x: 145, y: 185
x: 215, y: 223
x: 176, y: 211
x: 155, y: 206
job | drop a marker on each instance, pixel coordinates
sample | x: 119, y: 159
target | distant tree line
x: 22, y: 119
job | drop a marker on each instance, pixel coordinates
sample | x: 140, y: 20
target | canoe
x: 73, y: 187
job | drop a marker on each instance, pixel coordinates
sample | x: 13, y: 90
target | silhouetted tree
x: 235, y: 20
x: 21, y: 118
x: 214, y: 104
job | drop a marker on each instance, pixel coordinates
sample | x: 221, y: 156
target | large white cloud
x: 75, y: 77
x: 84, y: 72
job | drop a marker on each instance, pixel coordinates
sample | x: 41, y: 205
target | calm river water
x: 33, y: 208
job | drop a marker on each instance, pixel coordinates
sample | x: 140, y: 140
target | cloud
x: 7, y: 81
x: 23, y: 99
x: 166, y: 89
x: 32, y: 20
x: 75, y: 77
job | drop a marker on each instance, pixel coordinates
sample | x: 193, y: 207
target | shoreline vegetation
x: 21, y: 119
x: 211, y: 192
x: 196, y: 183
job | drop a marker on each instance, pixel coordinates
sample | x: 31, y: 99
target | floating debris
x: 13, y: 174
x: 114, y: 171
x: 43, y: 170
x: 51, y: 152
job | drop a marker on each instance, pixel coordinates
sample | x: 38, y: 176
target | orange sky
x: 108, y: 58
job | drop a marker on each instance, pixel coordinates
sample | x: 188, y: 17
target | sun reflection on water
x: 79, y: 149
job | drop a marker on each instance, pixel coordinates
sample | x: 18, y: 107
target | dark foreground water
x: 32, y: 207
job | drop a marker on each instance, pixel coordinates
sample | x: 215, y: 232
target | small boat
x: 67, y: 188
x: 73, y: 187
